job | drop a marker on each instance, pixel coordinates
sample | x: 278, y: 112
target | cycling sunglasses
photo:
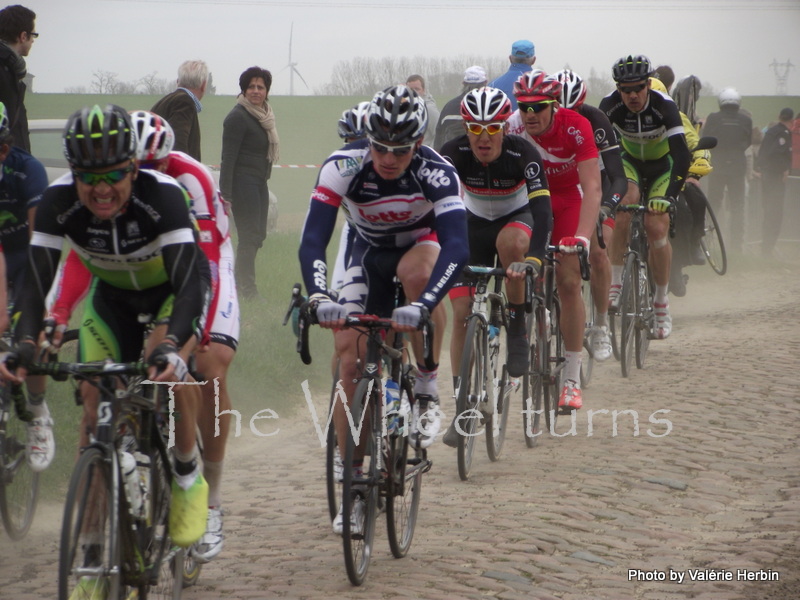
x: 396, y: 150
x: 491, y: 128
x: 109, y: 177
x: 631, y: 89
x: 535, y: 107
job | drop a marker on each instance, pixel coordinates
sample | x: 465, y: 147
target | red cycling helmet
x: 535, y: 86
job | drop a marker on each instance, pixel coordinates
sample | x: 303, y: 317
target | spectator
x: 180, y: 107
x: 16, y: 38
x: 772, y: 165
x: 249, y: 149
x: 734, y: 131
x: 522, y: 57
x: 451, y: 124
x: 417, y: 83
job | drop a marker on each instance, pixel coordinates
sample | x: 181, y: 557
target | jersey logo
x: 576, y: 133
x: 435, y: 177
x: 532, y: 170
x: 347, y: 166
x: 132, y: 228
x: 97, y: 243
x: 599, y: 136
x: 389, y: 216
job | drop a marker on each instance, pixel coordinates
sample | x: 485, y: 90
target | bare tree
x: 104, y: 82
x: 76, y: 89
x: 150, y: 84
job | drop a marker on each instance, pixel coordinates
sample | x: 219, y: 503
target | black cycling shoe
x: 518, y: 348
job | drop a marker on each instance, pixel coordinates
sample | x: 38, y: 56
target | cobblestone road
x: 715, y: 492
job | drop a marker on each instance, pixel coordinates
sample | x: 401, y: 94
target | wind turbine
x: 292, y: 65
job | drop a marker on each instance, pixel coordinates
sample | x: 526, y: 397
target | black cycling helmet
x: 351, y: 125
x: 631, y: 68
x: 99, y: 137
x: 398, y: 115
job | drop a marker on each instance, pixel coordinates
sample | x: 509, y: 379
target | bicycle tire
x: 404, y: 488
x: 472, y: 377
x: 587, y: 361
x: 712, y: 243
x: 333, y: 459
x: 646, y: 320
x: 358, y: 547
x: 556, y: 359
x: 614, y: 326
x: 91, y: 490
x: 499, y: 395
x: 628, y: 308
x: 19, y: 485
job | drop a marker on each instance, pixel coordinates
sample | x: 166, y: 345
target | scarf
x: 15, y: 61
x: 266, y: 118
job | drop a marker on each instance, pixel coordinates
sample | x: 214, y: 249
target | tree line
x: 107, y: 82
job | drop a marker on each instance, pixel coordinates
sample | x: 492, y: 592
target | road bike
x: 483, y: 388
x: 391, y: 477
x: 541, y: 384
x: 115, y: 530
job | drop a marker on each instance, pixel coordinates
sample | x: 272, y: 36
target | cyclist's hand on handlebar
x: 14, y: 367
x: 659, y: 204
x: 53, y: 335
x: 517, y: 270
x: 330, y: 314
x: 572, y: 244
x: 166, y: 364
x: 606, y: 212
x: 410, y: 317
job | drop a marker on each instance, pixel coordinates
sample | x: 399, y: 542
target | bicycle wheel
x: 498, y: 395
x: 712, y: 243
x: 587, y: 361
x: 404, y: 484
x: 333, y: 460
x: 555, y: 365
x: 361, y: 491
x: 614, y: 329
x: 89, y: 555
x: 646, y: 321
x: 628, y: 307
x: 471, y: 391
x: 19, y: 485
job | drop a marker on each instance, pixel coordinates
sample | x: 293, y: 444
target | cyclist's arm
x: 44, y: 253
x: 451, y: 230
x: 538, y: 202
x: 72, y: 286
x: 317, y: 231
x: 589, y: 176
x: 182, y: 262
x: 612, y: 164
x: 681, y: 159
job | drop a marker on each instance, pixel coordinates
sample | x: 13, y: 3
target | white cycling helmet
x: 397, y: 115
x: 485, y: 104
x: 351, y: 125
x: 154, y: 136
x: 729, y: 96
x: 573, y: 89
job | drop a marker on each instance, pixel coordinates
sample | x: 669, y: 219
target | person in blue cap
x: 522, y: 57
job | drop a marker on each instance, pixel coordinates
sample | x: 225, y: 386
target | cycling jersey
x: 387, y: 214
x: 651, y: 134
x: 515, y: 181
x: 149, y: 243
x: 615, y: 182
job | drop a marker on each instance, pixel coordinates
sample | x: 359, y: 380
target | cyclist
x: 133, y: 231
x: 22, y: 184
x: 573, y: 96
x: 508, y: 215
x: 397, y: 194
x: 154, y: 150
x: 656, y: 159
x: 351, y: 129
x: 566, y: 142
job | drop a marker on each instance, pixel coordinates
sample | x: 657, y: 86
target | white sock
x: 660, y: 296
x: 212, y: 471
x: 572, y: 366
x: 616, y: 274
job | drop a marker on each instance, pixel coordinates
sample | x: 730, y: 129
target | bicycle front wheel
x: 333, y: 458
x: 628, y: 308
x: 587, y: 361
x: 360, y: 490
x: 712, y: 243
x: 89, y: 556
x: 646, y: 322
x: 19, y: 485
x: 500, y: 387
x: 471, y: 391
x: 405, y: 484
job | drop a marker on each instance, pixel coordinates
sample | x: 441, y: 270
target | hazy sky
x: 727, y: 42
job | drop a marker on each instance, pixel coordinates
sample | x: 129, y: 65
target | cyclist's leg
x: 600, y: 282
x: 619, y: 241
x: 460, y: 302
x: 660, y: 258
x: 513, y: 242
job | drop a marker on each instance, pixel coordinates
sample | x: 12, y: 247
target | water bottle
x: 133, y: 491
x: 143, y: 472
x: 392, y: 393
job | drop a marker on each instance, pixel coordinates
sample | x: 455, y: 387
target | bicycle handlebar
x: 640, y: 209
x: 583, y: 258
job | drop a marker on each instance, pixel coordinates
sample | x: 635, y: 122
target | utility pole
x: 781, y: 75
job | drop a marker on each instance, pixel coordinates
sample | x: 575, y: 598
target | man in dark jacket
x: 451, y: 125
x: 772, y: 166
x: 733, y: 130
x: 180, y: 107
x: 16, y: 38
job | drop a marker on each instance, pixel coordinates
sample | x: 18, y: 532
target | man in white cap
x: 522, y: 57
x: 451, y: 125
